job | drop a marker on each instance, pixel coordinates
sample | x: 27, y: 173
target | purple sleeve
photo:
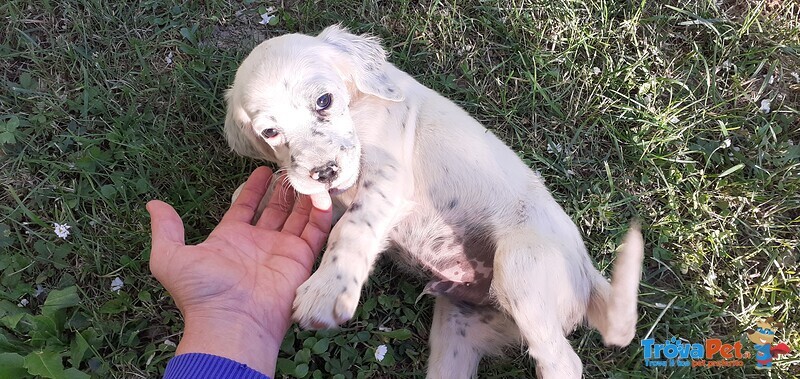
x: 207, y: 366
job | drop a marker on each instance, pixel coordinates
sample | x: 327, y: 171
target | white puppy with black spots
x: 413, y: 175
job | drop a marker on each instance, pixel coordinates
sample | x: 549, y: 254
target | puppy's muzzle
x: 325, y: 173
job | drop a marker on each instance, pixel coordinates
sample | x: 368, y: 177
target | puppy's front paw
x: 327, y: 299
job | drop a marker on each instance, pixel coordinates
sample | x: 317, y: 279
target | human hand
x: 235, y: 290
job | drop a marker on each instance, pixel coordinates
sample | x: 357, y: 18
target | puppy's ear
x: 366, y: 62
x: 240, y: 135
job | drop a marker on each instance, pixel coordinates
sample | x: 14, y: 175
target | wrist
x: 234, y: 337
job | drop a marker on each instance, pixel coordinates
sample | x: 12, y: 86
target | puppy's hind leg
x: 535, y: 282
x: 462, y: 334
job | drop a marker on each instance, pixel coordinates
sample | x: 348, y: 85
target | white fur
x: 426, y: 171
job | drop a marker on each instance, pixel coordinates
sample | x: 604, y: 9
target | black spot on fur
x: 388, y: 174
x: 381, y: 194
x: 355, y: 206
x: 355, y: 280
x: 455, y: 353
x: 344, y: 289
x: 437, y: 243
x: 272, y: 118
x: 465, y: 308
x: 334, y: 259
x: 369, y: 224
x: 462, y: 332
x: 367, y: 184
x: 339, y: 277
x: 292, y: 159
x: 316, y: 133
x: 452, y: 204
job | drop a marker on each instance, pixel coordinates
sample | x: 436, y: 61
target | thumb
x: 166, y: 225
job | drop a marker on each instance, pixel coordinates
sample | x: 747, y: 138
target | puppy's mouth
x: 302, y: 183
x: 343, y: 185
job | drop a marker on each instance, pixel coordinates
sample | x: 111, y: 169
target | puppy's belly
x: 457, y: 257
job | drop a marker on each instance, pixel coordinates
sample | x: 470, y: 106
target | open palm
x: 249, y: 272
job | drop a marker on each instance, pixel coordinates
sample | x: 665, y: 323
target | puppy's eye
x: 269, y: 133
x: 324, y: 102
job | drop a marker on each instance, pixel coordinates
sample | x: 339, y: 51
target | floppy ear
x: 366, y: 62
x: 240, y: 135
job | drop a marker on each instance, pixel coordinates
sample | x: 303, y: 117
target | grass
x: 628, y: 109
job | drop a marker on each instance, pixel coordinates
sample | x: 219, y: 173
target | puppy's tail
x: 612, y: 307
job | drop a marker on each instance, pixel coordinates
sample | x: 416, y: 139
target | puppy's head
x: 290, y: 104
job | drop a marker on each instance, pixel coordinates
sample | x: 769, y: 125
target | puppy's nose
x: 325, y: 173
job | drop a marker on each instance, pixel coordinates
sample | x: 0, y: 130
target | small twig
x: 646, y: 336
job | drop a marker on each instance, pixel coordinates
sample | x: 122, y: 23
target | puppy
x: 414, y: 176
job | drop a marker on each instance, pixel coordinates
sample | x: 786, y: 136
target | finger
x: 244, y: 207
x: 297, y: 221
x: 299, y: 217
x: 317, y: 229
x: 321, y: 200
x: 166, y: 225
x: 279, y: 206
x: 167, y: 232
